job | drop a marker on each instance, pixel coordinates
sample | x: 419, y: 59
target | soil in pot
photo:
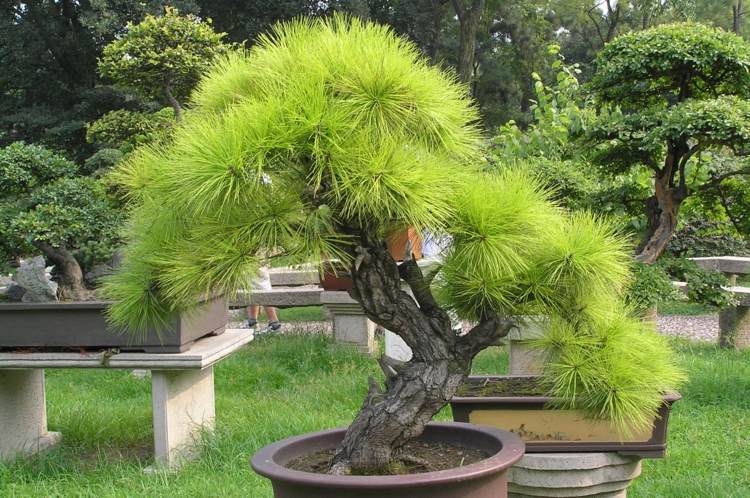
x: 502, y: 387
x: 420, y: 457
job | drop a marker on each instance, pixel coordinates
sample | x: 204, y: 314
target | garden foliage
x: 326, y: 136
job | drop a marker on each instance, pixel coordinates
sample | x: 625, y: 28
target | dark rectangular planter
x: 82, y: 325
x: 545, y: 429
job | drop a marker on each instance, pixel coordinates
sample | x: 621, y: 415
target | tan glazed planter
x: 544, y: 429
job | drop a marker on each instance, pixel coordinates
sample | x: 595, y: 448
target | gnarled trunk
x: 661, y: 209
x: 70, y: 275
x: 415, y: 390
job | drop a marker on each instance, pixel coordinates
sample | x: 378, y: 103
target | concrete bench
x: 182, y: 394
x: 734, y: 321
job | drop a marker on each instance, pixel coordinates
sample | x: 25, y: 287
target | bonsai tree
x: 163, y: 57
x: 322, y: 139
x: 679, y: 90
x: 47, y: 208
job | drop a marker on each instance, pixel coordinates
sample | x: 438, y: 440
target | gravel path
x: 693, y: 327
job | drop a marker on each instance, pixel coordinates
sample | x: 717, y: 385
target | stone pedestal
x: 600, y: 475
x: 734, y: 327
x: 183, y: 406
x: 525, y: 360
x: 350, y: 324
x: 23, y: 414
x: 182, y: 394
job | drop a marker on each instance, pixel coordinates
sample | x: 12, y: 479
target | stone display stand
x: 23, y: 416
x: 182, y: 394
x: 600, y: 475
x: 734, y: 321
x: 350, y: 324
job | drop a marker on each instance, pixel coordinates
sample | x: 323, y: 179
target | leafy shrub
x: 704, y: 286
x: 706, y: 238
x: 651, y: 285
x: 123, y: 128
x: 24, y: 167
x: 102, y: 159
x: 70, y: 212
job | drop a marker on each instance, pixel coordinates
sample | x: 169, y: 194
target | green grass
x: 280, y: 386
x: 677, y: 307
x: 306, y: 314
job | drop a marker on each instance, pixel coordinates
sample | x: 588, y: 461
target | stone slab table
x: 182, y: 394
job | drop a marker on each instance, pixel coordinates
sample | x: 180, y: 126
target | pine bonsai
x: 322, y: 139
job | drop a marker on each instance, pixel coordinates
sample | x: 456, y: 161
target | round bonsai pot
x: 483, y: 479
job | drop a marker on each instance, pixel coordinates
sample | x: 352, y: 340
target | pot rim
x: 668, y: 397
x: 512, y: 450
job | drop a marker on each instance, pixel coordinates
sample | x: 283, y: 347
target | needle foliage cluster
x: 329, y: 134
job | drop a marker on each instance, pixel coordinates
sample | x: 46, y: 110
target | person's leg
x: 273, y: 319
x: 252, y: 315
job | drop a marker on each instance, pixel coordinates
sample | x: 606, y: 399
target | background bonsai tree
x: 329, y: 134
x: 679, y: 90
x: 45, y: 207
x: 163, y: 57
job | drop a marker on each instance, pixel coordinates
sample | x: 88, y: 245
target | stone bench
x: 734, y: 321
x: 182, y: 394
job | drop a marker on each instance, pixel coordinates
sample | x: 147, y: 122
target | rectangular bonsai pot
x: 545, y: 429
x: 82, y: 325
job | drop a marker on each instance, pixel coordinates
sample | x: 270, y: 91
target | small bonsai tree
x: 49, y: 209
x: 321, y: 140
x: 678, y: 90
x: 163, y: 56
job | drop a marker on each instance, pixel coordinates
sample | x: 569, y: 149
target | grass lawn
x: 280, y: 386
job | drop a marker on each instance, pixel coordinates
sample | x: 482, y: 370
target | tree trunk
x: 468, y: 19
x: 661, y: 209
x: 70, y: 275
x: 415, y: 390
x: 737, y: 13
x: 173, y: 102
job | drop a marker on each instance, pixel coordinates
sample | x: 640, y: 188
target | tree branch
x: 412, y: 275
x: 487, y: 333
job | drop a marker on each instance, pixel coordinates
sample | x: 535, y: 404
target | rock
x: 93, y: 276
x: 14, y: 292
x: 33, y: 276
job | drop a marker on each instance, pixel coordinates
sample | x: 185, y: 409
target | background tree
x: 163, y: 56
x: 46, y: 207
x: 667, y: 94
x: 323, y: 139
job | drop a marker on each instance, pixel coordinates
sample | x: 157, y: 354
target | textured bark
x: 662, y: 208
x: 468, y: 19
x: 415, y: 390
x: 173, y: 101
x: 738, y: 13
x: 70, y: 275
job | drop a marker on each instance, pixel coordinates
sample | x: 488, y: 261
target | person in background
x: 262, y: 283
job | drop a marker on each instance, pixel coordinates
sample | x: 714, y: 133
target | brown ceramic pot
x: 484, y: 479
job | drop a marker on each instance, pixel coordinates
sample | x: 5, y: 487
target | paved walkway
x: 693, y: 327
